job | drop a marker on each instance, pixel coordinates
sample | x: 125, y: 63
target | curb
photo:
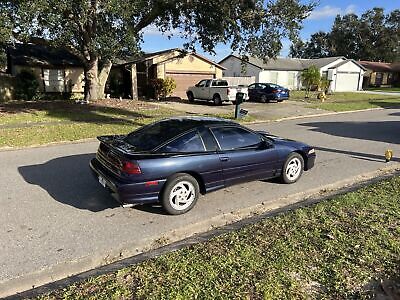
x: 141, y: 250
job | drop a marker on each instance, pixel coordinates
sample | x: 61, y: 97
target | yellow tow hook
x: 388, y: 155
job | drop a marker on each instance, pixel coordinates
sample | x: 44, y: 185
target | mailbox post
x: 239, y: 100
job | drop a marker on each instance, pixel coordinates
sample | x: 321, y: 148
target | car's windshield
x: 149, y: 137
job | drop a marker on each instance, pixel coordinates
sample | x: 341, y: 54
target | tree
x: 298, y: 49
x: 5, y: 33
x: 100, y: 30
x: 317, y: 47
x: 310, y: 77
x: 371, y: 36
x: 345, y: 38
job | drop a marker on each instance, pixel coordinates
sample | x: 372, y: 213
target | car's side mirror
x: 264, y: 145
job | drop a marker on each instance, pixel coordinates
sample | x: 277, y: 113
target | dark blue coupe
x: 264, y: 92
x: 174, y: 160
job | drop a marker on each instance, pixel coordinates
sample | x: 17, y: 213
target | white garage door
x: 347, y: 82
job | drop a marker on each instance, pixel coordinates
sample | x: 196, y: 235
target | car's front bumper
x: 310, y: 161
x: 127, y: 192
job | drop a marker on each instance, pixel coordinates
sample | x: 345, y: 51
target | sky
x: 320, y: 19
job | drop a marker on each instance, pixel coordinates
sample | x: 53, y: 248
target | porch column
x: 134, y: 82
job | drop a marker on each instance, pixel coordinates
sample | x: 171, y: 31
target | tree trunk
x: 91, y: 80
x: 103, y: 76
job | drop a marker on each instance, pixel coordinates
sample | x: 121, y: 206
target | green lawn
x: 347, y: 101
x: 42, y: 122
x: 340, y: 248
x: 38, y: 123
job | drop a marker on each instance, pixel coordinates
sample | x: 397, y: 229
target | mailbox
x: 239, y: 100
x: 239, y: 97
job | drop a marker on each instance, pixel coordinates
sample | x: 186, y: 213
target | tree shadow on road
x: 384, y: 131
x: 69, y: 180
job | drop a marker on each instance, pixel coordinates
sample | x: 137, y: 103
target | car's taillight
x: 130, y: 168
x: 275, y: 91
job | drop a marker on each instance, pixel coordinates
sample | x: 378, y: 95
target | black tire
x: 190, y: 97
x: 264, y: 99
x: 293, y: 168
x: 280, y: 100
x: 180, y: 184
x: 217, y: 100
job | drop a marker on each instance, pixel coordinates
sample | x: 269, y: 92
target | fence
x: 244, y: 80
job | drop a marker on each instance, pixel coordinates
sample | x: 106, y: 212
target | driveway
x: 56, y: 220
x: 260, y: 111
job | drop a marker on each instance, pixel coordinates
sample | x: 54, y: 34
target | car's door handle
x: 224, y: 158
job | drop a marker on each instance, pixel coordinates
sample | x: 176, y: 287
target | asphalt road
x: 56, y: 220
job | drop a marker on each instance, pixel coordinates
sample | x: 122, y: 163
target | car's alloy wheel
x: 217, y: 100
x: 180, y: 194
x: 293, y: 168
x: 263, y: 99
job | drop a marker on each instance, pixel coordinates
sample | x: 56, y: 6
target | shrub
x: 27, y: 85
x: 163, y: 87
x: 310, y: 77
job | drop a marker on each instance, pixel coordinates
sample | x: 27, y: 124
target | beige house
x: 381, y: 74
x: 186, y: 68
x: 57, y: 70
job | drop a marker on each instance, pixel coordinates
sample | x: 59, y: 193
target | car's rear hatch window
x: 149, y: 137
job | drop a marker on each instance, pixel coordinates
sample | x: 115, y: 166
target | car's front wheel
x: 293, y: 168
x: 180, y: 194
x: 190, y: 97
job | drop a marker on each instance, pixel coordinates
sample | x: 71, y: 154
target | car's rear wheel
x: 180, y: 194
x: 217, y: 100
x: 264, y: 99
x: 190, y: 97
x: 293, y: 168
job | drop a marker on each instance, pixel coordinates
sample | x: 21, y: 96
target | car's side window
x: 202, y: 83
x: 190, y: 142
x: 251, y: 86
x: 230, y: 138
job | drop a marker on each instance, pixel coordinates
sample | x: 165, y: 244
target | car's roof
x: 152, y: 135
x: 189, y: 122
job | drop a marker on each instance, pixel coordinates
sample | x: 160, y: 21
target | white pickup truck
x: 217, y: 90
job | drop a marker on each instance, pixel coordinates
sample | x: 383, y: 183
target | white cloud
x: 153, y: 30
x: 351, y: 9
x: 328, y: 11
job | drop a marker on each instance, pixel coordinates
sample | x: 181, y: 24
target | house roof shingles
x: 38, y: 55
x: 380, y: 66
x: 289, y: 64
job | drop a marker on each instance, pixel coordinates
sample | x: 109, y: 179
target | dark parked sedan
x: 174, y: 160
x: 264, y: 92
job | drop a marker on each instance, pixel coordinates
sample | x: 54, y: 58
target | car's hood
x: 285, y: 142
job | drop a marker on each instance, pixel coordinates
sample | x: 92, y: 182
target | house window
x: 274, y: 77
x: 291, y: 79
x: 54, y: 80
x: 378, y: 78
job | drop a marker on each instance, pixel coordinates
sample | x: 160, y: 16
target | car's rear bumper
x: 127, y: 193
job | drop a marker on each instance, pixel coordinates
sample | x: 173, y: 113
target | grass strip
x: 347, y: 101
x: 339, y: 248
